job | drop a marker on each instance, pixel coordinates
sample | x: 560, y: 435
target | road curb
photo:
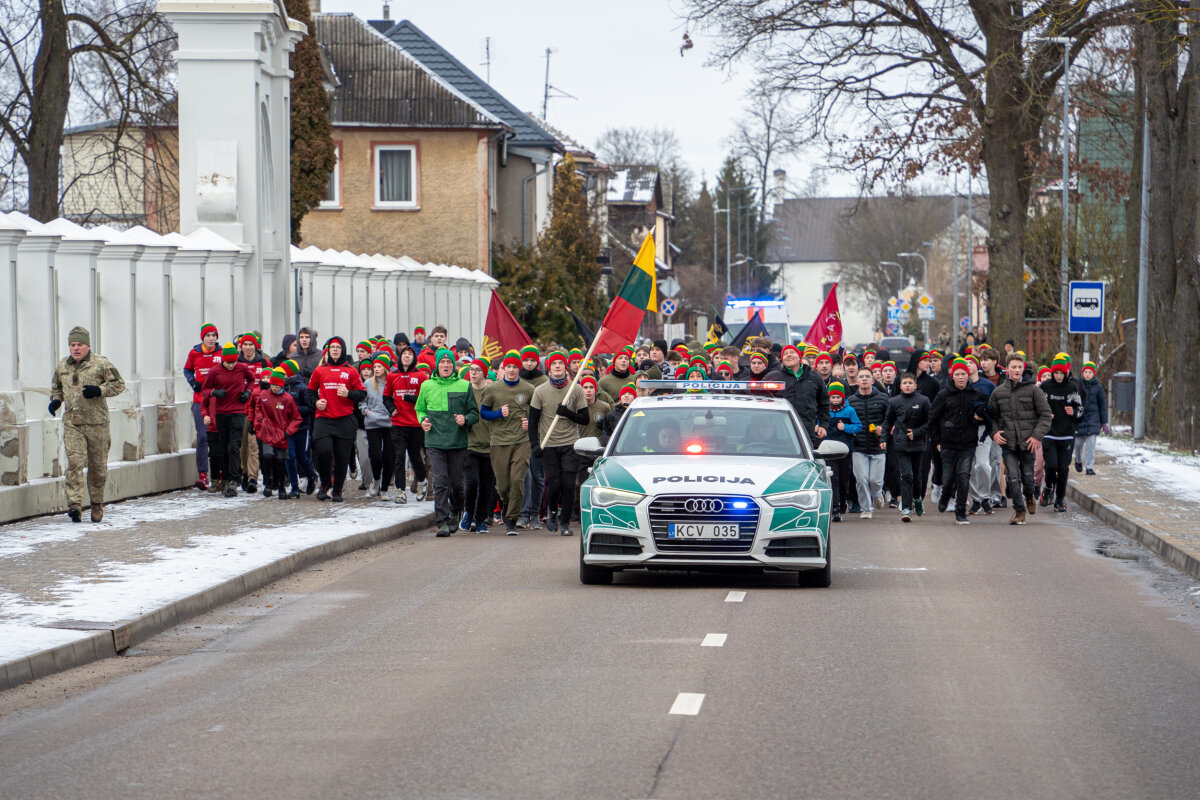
x: 109, y: 640
x: 1157, y: 540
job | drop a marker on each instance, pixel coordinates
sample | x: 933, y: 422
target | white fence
x: 144, y: 296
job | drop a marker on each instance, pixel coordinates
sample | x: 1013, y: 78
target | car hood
x: 654, y: 474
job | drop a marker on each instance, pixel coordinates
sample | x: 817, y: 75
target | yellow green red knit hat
x: 824, y: 357
x: 838, y: 388
x: 383, y: 358
x: 278, y: 377
x: 1088, y: 365
x: 365, y: 344
x: 811, y: 351
x: 628, y: 388
x: 698, y: 361
x: 418, y: 329
x: 206, y: 329
x: 229, y: 352
x: 528, y: 351
x: 575, y: 355
x: 289, y: 367
x: 710, y: 346
x: 511, y: 357
x: 557, y: 355
x: 1061, y: 363
x: 959, y: 363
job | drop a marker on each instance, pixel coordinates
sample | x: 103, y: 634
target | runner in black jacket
x: 907, y: 422
x: 805, y: 390
x: 958, y: 410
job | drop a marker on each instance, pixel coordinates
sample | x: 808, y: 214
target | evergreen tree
x: 313, y: 156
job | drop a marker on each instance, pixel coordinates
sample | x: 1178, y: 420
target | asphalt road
x: 945, y: 662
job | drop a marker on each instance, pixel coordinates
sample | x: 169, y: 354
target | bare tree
x: 82, y: 61
x: 768, y: 131
x: 937, y: 84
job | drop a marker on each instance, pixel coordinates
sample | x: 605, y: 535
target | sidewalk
x: 75, y: 593
x: 1149, y: 495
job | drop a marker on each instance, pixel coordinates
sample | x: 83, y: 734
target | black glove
x: 90, y: 391
x: 195, y: 386
x: 54, y: 405
x: 563, y: 411
x: 218, y: 393
x: 536, y: 451
x: 244, y: 395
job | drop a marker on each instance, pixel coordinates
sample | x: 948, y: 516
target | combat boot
x: 75, y: 513
x: 1018, y: 517
x: 97, y: 512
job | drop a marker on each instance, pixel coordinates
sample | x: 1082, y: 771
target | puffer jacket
x: 872, y: 411
x: 440, y: 400
x: 276, y: 417
x: 1019, y: 411
x: 846, y: 415
x: 1060, y: 397
x: 1095, y: 408
x: 807, y: 393
x: 952, y: 420
x: 908, y: 411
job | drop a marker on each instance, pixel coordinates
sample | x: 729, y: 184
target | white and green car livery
x: 707, y: 481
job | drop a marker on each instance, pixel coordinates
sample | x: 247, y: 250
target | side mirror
x: 590, y: 446
x: 829, y: 450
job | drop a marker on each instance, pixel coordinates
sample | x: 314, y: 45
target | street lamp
x: 924, y: 286
x: 1066, y: 43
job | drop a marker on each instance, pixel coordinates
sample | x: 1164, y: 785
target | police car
x: 707, y: 481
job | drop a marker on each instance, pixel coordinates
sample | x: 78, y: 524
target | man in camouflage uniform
x: 83, y: 382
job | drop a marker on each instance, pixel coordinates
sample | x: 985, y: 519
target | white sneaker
x: 422, y: 491
x: 935, y: 493
x: 391, y: 495
x: 373, y: 491
x: 865, y: 515
x: 879, y: 501
x: 402, y: 497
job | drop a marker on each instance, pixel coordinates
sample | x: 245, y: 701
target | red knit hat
x: 824, y: 357
x: 876, y: 366
x: 588, y: 379
x: 207, y: 328
x: 628, y: 388
x: 483, y: 365
x: 264, y: 373
x: 557, y: 355
x: 792, y: 348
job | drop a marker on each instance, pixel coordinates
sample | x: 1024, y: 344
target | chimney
x: 387, y: 11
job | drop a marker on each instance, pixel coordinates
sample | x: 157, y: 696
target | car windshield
x: 702, y: 430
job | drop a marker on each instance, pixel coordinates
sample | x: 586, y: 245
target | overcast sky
x: 620, y: 58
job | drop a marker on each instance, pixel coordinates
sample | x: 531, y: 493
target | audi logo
x: 706, y: 505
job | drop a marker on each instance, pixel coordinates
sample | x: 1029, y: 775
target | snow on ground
x: 119, y: 591
x: 1152, y: 462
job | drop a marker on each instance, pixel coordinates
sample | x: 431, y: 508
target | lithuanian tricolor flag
x: 638, y: 293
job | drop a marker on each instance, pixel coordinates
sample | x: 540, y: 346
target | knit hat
x: 278, y: 377
x: 811, y: 351
x: 759, y: 356
x: 698, y: 361
x: 710, y: 346
x: 557, y: 355
x: 529, y: 351
x: 792, y: 348
x: 463, y: 372
x: 849, y: 357
x: 1088, y: 365
x: 252, y: 336
x: 366, y: 363
x: 628, y: 388
x: 959, y: 364
x: 365, y: 344
x: 1061, y: 363
x: 443, y: 352
x: 1043, y: 374
x: 575, y: 355
x: 79, y: 334
x: 481, y: 363
x: 838, y: 388
x: 264, y: 373
x: 696, y: 372
x: 511, y: 357
x: 229, y: 353
x: 681, y: 349
x: 424, y: 366
x: 289, y: 367
x: 589, y: 380
x: 824, y: 357
x: 935, y: 353
x: 385, y: 359
x: 418, y: 329
x: 891, y: 364
x: 876, y: 366
x: 973, y: 358
x: 206, y: 329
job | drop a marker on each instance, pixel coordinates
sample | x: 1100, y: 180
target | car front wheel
x: 590, y: 575
x: 818, y: 578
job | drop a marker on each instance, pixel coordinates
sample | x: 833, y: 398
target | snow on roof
x: 632, y: 183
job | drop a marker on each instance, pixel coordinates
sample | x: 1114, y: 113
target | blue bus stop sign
x: 1085, y: 307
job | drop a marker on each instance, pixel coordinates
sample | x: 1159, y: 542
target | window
x: 333, y: 191
x: 395, y: 176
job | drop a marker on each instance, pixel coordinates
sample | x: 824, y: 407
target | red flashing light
x: 695, y: 448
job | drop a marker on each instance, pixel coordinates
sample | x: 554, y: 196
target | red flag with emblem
x: 826, y: 330
x: 501, y: 331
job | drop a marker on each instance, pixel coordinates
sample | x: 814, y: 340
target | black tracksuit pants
x: 381, y: 456
x: 908, y: 463
x: 229, y: 437
x: 480, y: 485
x: 560, y: 464
x: 407, y: 441
x: 1056, y: 454
x: 447, y: 484
x: 956, y: 475
x: 843, y: 475
x: 333, y: 443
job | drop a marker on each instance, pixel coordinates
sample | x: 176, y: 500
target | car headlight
x: 603, y: 496
x: 807, y: 499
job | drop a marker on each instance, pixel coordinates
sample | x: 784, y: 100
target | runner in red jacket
x: 276, y: 417
x: 230, y: 384
x: 334, y: 390
x: 403, y: 386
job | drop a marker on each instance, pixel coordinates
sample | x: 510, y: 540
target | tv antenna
x: 487, y: 57
x: 551, y: 91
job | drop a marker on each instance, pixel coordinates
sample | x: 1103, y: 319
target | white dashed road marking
x: 735, y: 597
x: 687, y: 703
x: 714, y: 640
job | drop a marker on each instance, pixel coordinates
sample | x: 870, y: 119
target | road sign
x: 925, y: 313
x: 964, y: 323
x: 893, y: 302
x: 1027, y: 276
x: 894, y: 313
x: 892, y: 329
x: 925, y: 299
x: 1085, y: 307
x: 669, y: 287
x: 667, y: 306
x: 906, y: 306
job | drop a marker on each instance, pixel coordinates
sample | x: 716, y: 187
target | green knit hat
x: 443, y: 352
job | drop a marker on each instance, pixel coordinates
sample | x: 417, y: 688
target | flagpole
x: 574, y: 383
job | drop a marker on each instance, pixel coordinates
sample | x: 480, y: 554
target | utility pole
x: 1139, y: 366
x: 550, y: 90
x: 954, y: 320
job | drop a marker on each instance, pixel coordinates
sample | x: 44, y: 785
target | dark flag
x: 755, y: 327
x: 717, y: 329
x: 585, y: 332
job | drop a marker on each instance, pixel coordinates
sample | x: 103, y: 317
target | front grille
x: 611, y: 544
x: 672, y: 508
x: 795, y: 547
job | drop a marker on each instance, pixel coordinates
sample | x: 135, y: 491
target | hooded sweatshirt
x: 375, y: 412
x: 326, y: 379
x: 282, y: 356
x: 403, y: 386
x: 308, y: 359
x: 199, y: 363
